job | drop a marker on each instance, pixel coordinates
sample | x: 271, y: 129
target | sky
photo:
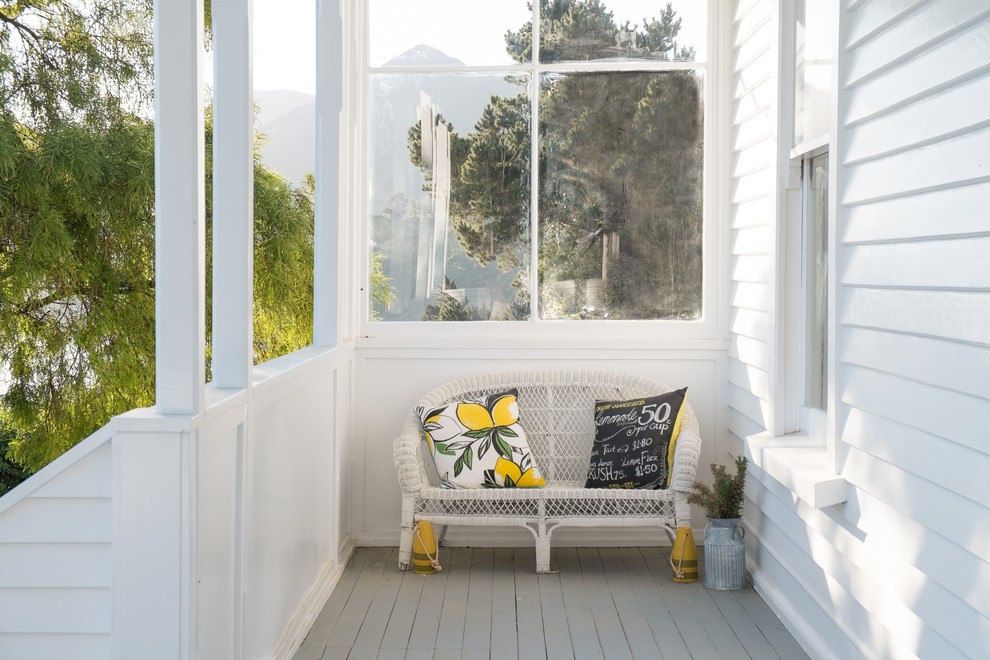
x: 284, y: 49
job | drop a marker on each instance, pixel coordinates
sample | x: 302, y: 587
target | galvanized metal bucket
x: 725, y: 554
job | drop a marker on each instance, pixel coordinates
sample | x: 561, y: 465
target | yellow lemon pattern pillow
x: 480, y: 444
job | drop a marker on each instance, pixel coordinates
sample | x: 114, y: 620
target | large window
x: 518, y: 183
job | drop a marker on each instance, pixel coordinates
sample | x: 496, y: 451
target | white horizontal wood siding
x: 56, y: 563
x: 901, y: 569
x: 752, y: 211
x: 914, y: 312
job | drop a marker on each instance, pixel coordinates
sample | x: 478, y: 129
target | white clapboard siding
x: 751, y: 213
x: 901, y: 568
x: 56, y: 560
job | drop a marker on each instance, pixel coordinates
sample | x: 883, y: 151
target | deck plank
x: 557, y: 637
x: 529, y: 617
x: 776, y: 634
x: 355, y: 612
x: 403, y: 615
x: 503, y: 636
x: 427, y: 620
x: 450, y: 634
x: 577, y: 605
x: 478, y: 617
x: 743, y: 626
x: 382, y: 605
x: 320, y: 632
x: 490, y: 603
x: 610, y: 632
x: 658, y: 617
x: 639, y: 636
x: 676, y: 597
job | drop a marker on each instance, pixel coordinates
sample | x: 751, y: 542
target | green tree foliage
x: 88, y: 61
x: 77, y: 226
x: 11, y: 473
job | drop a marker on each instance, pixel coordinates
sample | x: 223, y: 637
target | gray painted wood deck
x: 489, y: 603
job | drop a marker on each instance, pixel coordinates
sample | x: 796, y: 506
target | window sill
x: 799, y: 464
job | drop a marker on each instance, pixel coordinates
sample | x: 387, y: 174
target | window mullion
x: 534, y: 169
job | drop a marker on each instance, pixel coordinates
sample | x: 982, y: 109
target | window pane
x: 817, y: 278
x: 813, y: 69
x: 442, y: 32
x: 620, y: 213
x: 620, y: 29
x: 450, y: 191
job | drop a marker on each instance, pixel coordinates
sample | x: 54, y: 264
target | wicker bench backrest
x: 556, y: 409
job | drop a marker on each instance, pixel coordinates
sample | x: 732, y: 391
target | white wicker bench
x: 556, y: 409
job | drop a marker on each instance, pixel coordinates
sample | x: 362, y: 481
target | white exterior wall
x: 753, y: 201
x: 901, y: 569
x: 55, y: 559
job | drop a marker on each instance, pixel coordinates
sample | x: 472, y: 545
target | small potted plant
x: 725, y: 552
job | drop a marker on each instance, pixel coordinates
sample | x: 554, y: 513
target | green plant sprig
x: 724, y: 498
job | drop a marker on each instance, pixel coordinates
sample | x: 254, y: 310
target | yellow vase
x: 684, y: 556
x: 424, y: 550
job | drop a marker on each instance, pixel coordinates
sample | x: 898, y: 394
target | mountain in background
x: 287, y: 119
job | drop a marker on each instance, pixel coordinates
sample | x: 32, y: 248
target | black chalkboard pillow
x: 634, y: 441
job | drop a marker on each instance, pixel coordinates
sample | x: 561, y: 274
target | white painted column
x: 329, y: 96
x: 154, y: 497
x: 233, y: 331
x: 179, y: 207
x: 233, y: 193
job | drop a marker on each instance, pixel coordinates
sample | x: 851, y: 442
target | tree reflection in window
x: 619, y: 213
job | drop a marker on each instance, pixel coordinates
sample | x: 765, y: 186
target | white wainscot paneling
x: 291, y: 484
x: 55, y: 647
x: 394, y: 380
x: 217, y: 540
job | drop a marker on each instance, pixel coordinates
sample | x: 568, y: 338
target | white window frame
x: 354, y: 205
x: 800, y: 451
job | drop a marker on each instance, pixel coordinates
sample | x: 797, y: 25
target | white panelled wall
x: 215, y: 525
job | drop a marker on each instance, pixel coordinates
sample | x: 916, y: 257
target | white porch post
x: 329, y: 95
x: 154, y: 495
x: 233, y: 194
x: 179, y: 208
x: 233, y: 295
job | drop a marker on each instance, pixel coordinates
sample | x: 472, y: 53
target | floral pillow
x: 480, y: 444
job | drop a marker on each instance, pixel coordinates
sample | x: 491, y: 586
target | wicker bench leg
x: 406, y: 533
x: 543, y: 554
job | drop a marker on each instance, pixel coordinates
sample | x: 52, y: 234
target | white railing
x: 172, y: 536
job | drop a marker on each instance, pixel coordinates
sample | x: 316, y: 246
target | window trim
x: 354, y: 204
x: 808, y: 464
